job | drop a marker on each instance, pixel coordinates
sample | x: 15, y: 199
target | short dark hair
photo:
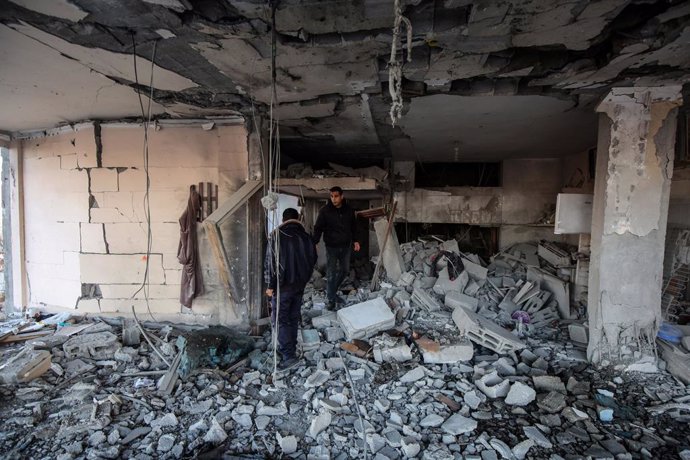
x: 290, y: 213
x: 336, y: 189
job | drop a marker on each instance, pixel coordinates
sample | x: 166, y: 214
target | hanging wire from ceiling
x: 146, y: 117
x: 395, y: 66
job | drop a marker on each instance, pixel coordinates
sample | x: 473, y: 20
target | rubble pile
x: 457, y: 358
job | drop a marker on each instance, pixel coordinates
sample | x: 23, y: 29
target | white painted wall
x: 69, y: 243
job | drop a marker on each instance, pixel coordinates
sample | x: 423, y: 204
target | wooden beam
x: 222, y: 262
x: 237, y: 199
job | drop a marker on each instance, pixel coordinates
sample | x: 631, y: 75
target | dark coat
x: 338, y: 225
x: 297, y: 256
x: 188, y: 251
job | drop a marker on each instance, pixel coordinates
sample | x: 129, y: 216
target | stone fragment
x: 319, y: 423
x: 577, y: 388
x: 502, y: 448
x: 262, y: 421
x: 310, y: 339
x: 537, y: 436
x: 520, y: 395
x: 168, y: 419
x: 365, y: 319
x: 455, y: 299
x: 431, y: 420
x: 333, y: 334
x: 552, y: 402
x: 166, y: 442
x: 317, y: 378
x: 485, y: 332
x: 472, y: 399
x: 493, y: 386
x: 325, y: 320
x: 376, y: 442
x: 288, y: 444
x: 413, y: 375
x: 548, y: 383
x: 215, y: 434
x: 520, y: 450
x: 457, y: 424
x: 444, y: 284
x: 410, y: 447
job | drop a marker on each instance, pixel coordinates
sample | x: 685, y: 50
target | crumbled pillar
x: 631, y: 194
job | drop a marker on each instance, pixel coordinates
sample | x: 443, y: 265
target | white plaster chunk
x: 365, y: 319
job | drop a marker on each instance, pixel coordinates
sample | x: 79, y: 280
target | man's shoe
x: 287, y: 364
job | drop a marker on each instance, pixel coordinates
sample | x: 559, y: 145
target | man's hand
x: 269, y: 292
x: 357, y: 246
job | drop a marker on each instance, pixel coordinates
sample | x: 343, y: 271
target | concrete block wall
x: 85, y: 218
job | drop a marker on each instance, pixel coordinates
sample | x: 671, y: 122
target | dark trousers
x: 337, y: 268
x: 289, y: 318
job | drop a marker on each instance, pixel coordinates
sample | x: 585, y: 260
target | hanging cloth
x: 188, y: 251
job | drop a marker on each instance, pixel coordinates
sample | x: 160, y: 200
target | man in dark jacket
x: 297, y: 256
x: 337, y: 223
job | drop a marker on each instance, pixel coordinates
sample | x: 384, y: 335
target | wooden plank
x: 222, y: 262
x: 235, y: 201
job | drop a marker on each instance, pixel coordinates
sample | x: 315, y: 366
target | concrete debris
x: 26, y: 365
x: 553, y: 254
x: 455, y: 299
x: 486, y: 333
x: 429, y: 382
x: 101, y: 345
x: 365, y: 319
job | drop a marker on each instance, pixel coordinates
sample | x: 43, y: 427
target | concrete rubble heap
x: 421, y: 378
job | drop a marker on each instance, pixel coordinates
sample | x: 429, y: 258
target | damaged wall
x: 519, y: 207
x: 85, y: 224
x: 678, y: 215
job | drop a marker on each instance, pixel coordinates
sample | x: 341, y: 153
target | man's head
x: 290, y: 213
x: 336, y: 196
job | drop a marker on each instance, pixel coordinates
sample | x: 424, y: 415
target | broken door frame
x: 212, y: 226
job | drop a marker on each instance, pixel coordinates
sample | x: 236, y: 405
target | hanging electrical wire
x: 146, y: 118
x: 395, y: 66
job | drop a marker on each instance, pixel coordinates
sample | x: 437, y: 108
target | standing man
x: 337, y: 223
x: 295, y: 267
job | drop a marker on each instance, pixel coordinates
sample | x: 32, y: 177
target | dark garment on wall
x: 338, y: 225
x: 188, y: 251
x: 297, y: 256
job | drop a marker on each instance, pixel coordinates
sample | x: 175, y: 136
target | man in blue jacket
x: 337, y: 223
x: 295, y: 267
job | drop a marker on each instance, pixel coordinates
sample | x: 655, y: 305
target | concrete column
x: 635, y: 153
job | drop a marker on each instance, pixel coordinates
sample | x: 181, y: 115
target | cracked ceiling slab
x: 213, y: 58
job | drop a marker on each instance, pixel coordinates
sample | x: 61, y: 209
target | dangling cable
x: 395, y: 74
x: 146, y: 117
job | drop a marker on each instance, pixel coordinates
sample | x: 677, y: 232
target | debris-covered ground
x: 458, y: 358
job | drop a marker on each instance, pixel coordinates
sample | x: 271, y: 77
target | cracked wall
x: 85, y: 221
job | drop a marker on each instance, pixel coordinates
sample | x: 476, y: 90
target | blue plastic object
x: 670, y: 333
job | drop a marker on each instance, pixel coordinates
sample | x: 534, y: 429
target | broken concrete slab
x: 455, y: 299
x: 493, y: 386
x: 559, y: 289
x: 391, y: 349
x: 476, y: 271
x: 436, y: 353
x: 553, y: 254
x: 520, y: 395
x: 26, y: 365
x: 485, y: 332
x: 365, y: 319
x: 101, y: 345
x: 458, y: 424
x: 425, y: 300
x: 579, y: 333
x: 392, y: 258
x: 444, y: 284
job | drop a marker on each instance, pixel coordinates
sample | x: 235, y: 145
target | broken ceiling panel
x: 63, y: 9
x: 35, y: 96
x: 108, y: 63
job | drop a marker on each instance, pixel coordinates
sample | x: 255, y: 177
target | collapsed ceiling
x: 487, y: 80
